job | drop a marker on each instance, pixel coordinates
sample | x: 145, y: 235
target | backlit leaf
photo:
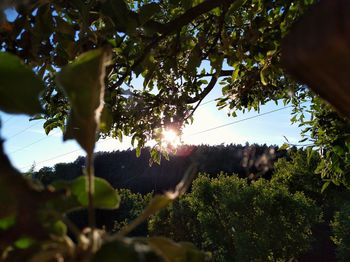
x: 83, y: 82
x: 105, y: 196
x: 19, y: 86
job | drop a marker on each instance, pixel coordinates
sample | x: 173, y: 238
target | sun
x: 170, y: 138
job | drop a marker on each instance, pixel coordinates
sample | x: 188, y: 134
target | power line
x: 210, y: 101
x: 35, y: 142
x: 197, y: 133
x: 8, y: 119
x: 61, y: 155
x: 52, y: 158
x: 23, y: 130
x: 238, y: 121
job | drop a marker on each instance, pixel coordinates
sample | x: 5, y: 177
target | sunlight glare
x: 170, y: 138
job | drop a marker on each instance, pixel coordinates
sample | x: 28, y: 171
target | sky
x: 26, y: 142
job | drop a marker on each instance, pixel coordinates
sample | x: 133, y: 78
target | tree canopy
x: 160, y: 59
x: 178, y: 51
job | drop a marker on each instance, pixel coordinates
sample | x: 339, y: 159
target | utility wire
x: 210, y: 101
x: 35, y: 142
x: 238, y: 121
x: 61, y: 155
x: 38, y: 141
x: 197, y: 133
x: 8, y: 119
x: 23, y: 130
x: 52, y: 158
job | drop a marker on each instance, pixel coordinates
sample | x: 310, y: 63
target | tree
x: 238, y: 221
x: 299, y: 174
x: 341, y: 237
x: 180, y: 49
x: 166, y: 56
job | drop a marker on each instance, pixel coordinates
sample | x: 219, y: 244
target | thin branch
x: 222, y: 74
x: 173, y: 26
x: 205, y: 92
x: 90, y: 190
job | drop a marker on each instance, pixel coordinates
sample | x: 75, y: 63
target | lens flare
x: 170, y: 138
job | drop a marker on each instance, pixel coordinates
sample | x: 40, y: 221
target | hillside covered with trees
x: 123, y: 169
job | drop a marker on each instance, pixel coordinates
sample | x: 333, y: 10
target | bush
x: 242, y: 222
x: 341, y: 232
x: 300, y: 175
x: 178, y: 221
x: 131, y: 206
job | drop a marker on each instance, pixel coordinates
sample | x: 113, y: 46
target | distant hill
x: 124, y: 170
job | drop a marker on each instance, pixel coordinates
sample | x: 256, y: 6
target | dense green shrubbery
x: 341, y: 232
x: 131, y: 206
x: 179, y: 221
x: 301, y: 174
x: 243, y: 222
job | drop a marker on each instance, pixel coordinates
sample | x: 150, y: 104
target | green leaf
x: 303, y: 140
x: 19, y: 86
x: 106, y: 119
x: 118, y: 10
x: 58, y: 228
x: 83, y: 82
x: 285, y: 146
x: 51, y: 124
x: 7, y: 222
x: 173, y: 252
x: 125, y: 250
x: 194, y: 59
x: 24, y: 242
x: 138, y: 151
x: 338, y: 150
x: 236, y: 5
x: 325, y: 185
x: 105, y: 196
x: 148, y: 11
x: 262, y: 76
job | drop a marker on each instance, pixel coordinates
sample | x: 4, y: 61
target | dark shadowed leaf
x: 126, y: 250
x: 106, y: 119
x: 83, y: 82
x: 19, y: 86
x: 194, y: 59
x: 176, y: 252
x: 147, y: 11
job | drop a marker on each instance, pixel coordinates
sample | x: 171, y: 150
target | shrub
x: 239, y: 221
x: 341, y: 232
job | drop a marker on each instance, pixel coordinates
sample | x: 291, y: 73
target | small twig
x: 90, y: 190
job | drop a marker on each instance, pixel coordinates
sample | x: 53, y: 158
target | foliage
x: 179, y: 222
x: 341, y: 236
x: 328, y: 132
x: 180, y: 50
x: 238, y: 221
x: 131, y: 207
x: 33, y: 227
x: 300, y: 174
